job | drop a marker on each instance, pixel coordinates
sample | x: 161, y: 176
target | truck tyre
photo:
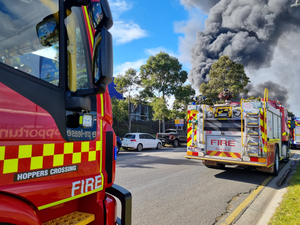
x: 175, y: 143
x: 287, y: 158
x: 158, y: 145
x: 208, y: 166
x: 139, y: 147
x: 276, y: 163
x: 219, y: 166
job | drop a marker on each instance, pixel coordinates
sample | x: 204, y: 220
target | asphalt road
x: 167, y: 188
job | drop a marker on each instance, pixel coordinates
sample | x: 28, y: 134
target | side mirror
x: 100, y: 14
x: 103, y: 59
x: 47, y: 31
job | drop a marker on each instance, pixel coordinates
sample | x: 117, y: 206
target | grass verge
x: 288, y: 213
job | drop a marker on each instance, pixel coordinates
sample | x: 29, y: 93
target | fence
x: 151, y: 127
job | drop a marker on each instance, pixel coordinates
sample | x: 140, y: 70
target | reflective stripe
x: 31, y: 157
x: 224, y: 154
x: 263, y: 127
x: 192, y: 114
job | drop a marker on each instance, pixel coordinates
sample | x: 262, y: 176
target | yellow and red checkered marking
x: 263, y: 128
x: 23, y: 158
x: 296, y: 123
x: 224, y: 154
x: 192, y: 114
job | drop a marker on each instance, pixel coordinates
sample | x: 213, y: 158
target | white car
x: 140, y: 141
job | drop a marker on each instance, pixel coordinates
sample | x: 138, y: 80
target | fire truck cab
x: 249, y: 133
x: 57, y: 146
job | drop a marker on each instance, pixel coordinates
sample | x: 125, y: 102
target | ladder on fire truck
x: 253, y: 121
x: 252, y: 133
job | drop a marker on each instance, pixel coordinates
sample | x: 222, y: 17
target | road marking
x: 247, y: 201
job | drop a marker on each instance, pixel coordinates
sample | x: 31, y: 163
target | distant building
x: 140, y: 113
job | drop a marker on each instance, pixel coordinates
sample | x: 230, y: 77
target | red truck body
x: 57, y: 146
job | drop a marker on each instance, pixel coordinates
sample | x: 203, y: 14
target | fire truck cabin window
x: 20, y: 46
x: 77, y: 54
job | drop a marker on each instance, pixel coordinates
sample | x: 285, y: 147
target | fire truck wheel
x: 276, y: 163
x: 219, y: 166
x: 139, y: 147
x: 287, y: 158
x: 208, y: 166
x: 175, y: 143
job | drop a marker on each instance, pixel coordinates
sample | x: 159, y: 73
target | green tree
x: 119, y: 109
x: 127, y: 84
x: 224, y: 73
x: 161, y: 77
x: 160, y: 109
x: 183, y: 97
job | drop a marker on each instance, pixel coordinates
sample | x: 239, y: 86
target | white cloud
x: 154, y: 51
x: 189, y: 29
x: 120, y: 70
x: 124, y: 32
x: 118, y: 7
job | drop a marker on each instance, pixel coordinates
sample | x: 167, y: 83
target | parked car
x: 119, y: 143
x: 172, y: 136
x: 140, y: 141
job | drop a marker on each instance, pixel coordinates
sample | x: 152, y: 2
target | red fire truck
x: 250, y: 134
x: 57, y: 146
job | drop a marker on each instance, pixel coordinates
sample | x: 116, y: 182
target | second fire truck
x: 249, y: 133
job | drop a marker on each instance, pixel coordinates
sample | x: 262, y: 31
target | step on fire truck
x: 57, y: 146
x: 250, y: 134
x: 294, y: 125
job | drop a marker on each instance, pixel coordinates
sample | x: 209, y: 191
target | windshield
x: 170, y: 131
x: 29, y: 41
x: 129, y: 136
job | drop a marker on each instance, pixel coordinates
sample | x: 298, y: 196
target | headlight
x: 209, y: 114
x: 86, y: 121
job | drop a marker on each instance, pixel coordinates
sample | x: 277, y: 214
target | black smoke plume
x: 245, y: 30
x: 276, y: 92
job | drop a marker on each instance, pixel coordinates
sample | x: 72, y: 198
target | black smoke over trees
x: 247, y: 31
x: 276, y: 92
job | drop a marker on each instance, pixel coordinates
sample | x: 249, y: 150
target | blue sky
x: 144, y: 28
